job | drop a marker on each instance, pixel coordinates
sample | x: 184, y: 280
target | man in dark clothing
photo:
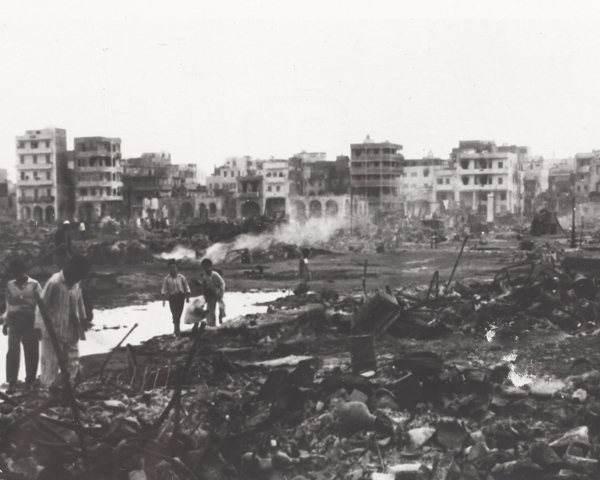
x: 63, y: 242
x: 175, y: 289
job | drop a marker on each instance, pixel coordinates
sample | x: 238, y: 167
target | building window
x: 47, y: 158
x: 500, y: 180
x: 34, y: 144
x: 22, y: 158
x: 278, y: 188
x: 530, y: 167
x: 48, y: 175
x: 35, y: 176
x: 269, y: 188
x: 281, y: 174
x: 440, y: 181
x: 447, y: 181
x: 224, y: 174
x: 268, y: 174
x: 585, y: 187
x: 579, y: 188
x: 93, y: 192
x: 108, y: 191
x: 503, y: 196
x: 83, y: 192
x: 500, y: 165
x: 22, y: 175
x: 413, y: 174
x: 47, y: 143
x: 35, y: 159
x: 49, y: 192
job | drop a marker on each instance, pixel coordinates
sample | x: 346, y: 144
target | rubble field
x: 411, y: 363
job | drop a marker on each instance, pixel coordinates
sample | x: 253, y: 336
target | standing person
x: 176, y: 289
x: 81, y: 230
x: 22, y: 295
x: 64, y: 304
x: 303, y: 271
x: 63, y: 242
x: 213, y: 286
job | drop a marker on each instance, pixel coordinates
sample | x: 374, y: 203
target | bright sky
x: 205, y: 81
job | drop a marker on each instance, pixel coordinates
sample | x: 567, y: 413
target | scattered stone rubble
x: 273, y: 396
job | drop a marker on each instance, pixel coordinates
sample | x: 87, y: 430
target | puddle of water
x: 152, y: 319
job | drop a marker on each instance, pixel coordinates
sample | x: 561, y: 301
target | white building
x: 43, y: 192
x: 487, y: 179
x: 416, y: 184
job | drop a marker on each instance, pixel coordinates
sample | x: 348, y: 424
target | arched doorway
x: 331, y: 208
x: 275, y: 207
x: 49, y: 214
x: 212, y: 209
x: 315, y: 209
x: 38, y: 215
x: 299, y: 210
x: 186, y: 211
x: 203, y: 211
x: 250, y: 210
x: 26, y: 213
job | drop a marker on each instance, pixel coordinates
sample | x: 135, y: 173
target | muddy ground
x: 341, y: 272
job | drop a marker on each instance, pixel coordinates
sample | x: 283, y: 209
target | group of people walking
x: 176, y: 290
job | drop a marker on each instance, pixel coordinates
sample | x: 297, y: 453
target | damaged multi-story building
x: 483, y: 179
x: 376, y: 170
x: 318, y: 187
x: 99, y: 178
x: 151, y: 177
x: 417, y: 184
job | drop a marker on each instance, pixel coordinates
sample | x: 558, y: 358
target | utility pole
x: 573, y: 242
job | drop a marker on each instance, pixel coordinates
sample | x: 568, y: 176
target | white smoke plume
x: 178, y: 253
x: 315, y: 230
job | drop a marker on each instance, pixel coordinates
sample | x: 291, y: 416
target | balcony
x: 40, y: 182
x: 96, y: 198
x: 34, y: 166
x: 376, y: 170
x: 384, y: 182
x: 99, y: 183
x: 100, y: 168
x: 45, y: 199
x: 585, y: 169
x: 248, y: 194
x: 40, y: 150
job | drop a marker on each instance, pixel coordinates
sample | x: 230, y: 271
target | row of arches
x: 39, y: 214
x: 315, y: 209
x: 186, y: 210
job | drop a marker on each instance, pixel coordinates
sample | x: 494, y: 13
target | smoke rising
x: 313, y: 231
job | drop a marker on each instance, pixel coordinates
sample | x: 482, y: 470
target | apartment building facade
x: 489, y: 179
x: 224, y: 178
x: 99, y: 178
x: 417, y: 184
x: 375, y: 172
x: 44, y: 190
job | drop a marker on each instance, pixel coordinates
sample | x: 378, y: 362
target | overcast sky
x: 208, y: 81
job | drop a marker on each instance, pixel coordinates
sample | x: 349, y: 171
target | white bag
x: 195, y: 311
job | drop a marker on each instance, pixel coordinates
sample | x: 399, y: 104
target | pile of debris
x: 277, y: 396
